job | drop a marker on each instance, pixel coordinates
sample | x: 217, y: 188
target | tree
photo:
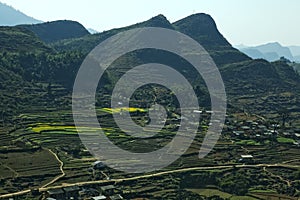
x: 285, y: 115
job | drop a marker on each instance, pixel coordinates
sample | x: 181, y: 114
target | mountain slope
x: 11, y: 17
x: 17, y: 39
x: 57, y: 30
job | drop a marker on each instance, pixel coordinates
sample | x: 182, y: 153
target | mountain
x: 270, y: 52
x: 11, y: 17
x: 57, y: 30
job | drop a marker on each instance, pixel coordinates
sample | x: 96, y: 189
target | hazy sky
x: 249, y: 22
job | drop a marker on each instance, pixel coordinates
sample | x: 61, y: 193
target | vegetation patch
x: 285, y: 140
x: 118, y: 110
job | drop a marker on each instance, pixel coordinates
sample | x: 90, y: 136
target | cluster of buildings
x: 108, y: 192
x: 259, y: 129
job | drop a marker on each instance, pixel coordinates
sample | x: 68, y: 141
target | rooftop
x: 101, y: 197
x: 107, y: 187
x: 55, y: 191
x: 71, y: 189
x: 246, y: 156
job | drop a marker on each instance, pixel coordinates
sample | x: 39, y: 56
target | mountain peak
x: 160, y: 16
x: 158, y: 21
x: 203, y: 28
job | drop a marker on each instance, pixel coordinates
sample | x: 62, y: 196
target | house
x: 245, y: 128
x: 239, y: 133
x: 101, y: 197
x: 116, y: 197
x: 286, y: 134
x: 296, y: 143
x: 246, y: 156
x: 55, y: 193
x: 197, y: 111
x: 71, y: 192
x: 98, y: 165
x: 107, y: 190
x: 246, y: 159
x: 262, y: 127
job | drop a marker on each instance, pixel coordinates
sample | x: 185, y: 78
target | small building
x: 246, y: 159
x: 107, y: 190
x: 71, y: 192
x: 262, y: 127
x: 101, y: 197
x: 197, y: 111
x: 254, y: 124
x: 55, y: 193
x: 286, y: 134
x: 246, y: 156
x: 238, y: 133
x: 245, y: 128
x: 98, y: 165
x: 116, y: 197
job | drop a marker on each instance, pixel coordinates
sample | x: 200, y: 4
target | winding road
x: 61, y: 167
x: 44, y: 188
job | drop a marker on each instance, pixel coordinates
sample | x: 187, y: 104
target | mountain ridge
x: 54, y: 31
x: 217, y: 47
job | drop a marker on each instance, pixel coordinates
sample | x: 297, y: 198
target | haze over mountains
x: 271, y: 51
x: 11, y: 17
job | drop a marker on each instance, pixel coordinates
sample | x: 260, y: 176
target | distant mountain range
x: 11, y: 17
x: 271, y: 51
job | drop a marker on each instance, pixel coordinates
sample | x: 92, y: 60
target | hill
x: 50, y: 32
x: 11, y: 17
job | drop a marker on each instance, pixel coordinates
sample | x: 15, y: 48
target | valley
x: 256, y: 156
